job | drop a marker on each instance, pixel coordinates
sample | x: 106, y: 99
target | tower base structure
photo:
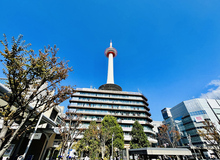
x: 112, y: 87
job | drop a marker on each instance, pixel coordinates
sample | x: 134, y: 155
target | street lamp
x: 22, y: 157
x: 191, y: 145
x: 112, y: 145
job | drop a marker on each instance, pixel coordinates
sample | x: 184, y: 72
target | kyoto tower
x: 110, y: 53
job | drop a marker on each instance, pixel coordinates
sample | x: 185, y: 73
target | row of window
x: 130, y: 126
x: 107, y: 100
x: 108, y: 95
x: 125, y: 134
x: 110, y: 112
x: 118, y: 119
x: 86, y: 125
x: 132, y: 119
x: 216, y: 110
x: 201, y: 112
x: 107, y: 106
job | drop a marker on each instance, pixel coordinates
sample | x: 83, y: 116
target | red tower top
x: 111, y: 50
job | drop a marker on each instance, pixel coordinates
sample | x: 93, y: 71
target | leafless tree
x: 168, y: 137
x: 211, y: 134
x: 69, y: 130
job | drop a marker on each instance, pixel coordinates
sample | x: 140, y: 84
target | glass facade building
x: 188, y: 117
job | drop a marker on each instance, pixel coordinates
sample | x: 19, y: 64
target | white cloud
x: 215, y: 82
x: 214, y: 91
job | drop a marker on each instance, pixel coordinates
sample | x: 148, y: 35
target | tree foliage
x: 35, y: 86
x: 170, y: 137
x: 111, y: 125
x: 98, y: 138
x: 104, y: 135
x: 138, y: 137
x: 211, y: 134
x: 90, y: 141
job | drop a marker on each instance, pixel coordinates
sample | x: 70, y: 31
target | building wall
x: 125, y: 106
x: 156, y: 124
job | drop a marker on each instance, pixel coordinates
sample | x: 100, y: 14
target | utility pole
x: 112, y: 146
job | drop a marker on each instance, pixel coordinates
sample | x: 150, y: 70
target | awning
x: 160, y: 151
x: 48, y: 121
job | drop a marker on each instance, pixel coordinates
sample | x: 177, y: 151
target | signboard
x: 36, y: 136
x: 199, y: 119
x: 9, y: 150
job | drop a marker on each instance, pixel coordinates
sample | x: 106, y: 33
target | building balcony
x: 110, y: 109
x: 123, y: 93
x: 109, y: 97
x: 127, y: 137
x: 132, y: 122
x: 128, y: 129
x: 108, y: 103
x: 121, y: 115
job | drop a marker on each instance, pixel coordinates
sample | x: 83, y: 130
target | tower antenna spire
x: 110, y: 53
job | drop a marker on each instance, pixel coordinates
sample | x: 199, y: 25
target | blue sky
x: 167, y: 49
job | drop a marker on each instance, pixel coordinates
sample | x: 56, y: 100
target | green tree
x: 98, y: 138
x: 111, y: 125
x: 34, y: 83
x: 138, y: 137
x: 90, y: 143
x: 105, y: 135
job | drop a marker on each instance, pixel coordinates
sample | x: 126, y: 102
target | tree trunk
x: 66, y: 152
x: 2, y: 134
x: 102, y: 151
x: 12, y: 137
x: 63, y: 152
x: 102, y: 146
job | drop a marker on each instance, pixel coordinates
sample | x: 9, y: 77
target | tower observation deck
x: 110, y: 53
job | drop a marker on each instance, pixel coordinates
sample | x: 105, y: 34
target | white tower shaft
x: 110, y: 78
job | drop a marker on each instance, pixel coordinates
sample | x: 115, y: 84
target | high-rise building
x: 188, y: 116
x: 109, y: 99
